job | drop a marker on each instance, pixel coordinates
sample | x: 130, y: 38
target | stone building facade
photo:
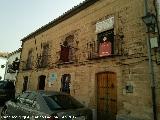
x: 97, y: 52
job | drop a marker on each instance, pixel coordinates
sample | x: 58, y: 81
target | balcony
x: 43, y: 61
x: 27, y: 66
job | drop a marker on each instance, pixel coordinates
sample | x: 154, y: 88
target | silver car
x: 45, y: 105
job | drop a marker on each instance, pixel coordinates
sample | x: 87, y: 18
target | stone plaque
x: 105, y: 25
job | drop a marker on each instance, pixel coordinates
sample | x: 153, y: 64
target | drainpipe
x: 145, y: 7
x: 153, y: 84
x: 153, y: 91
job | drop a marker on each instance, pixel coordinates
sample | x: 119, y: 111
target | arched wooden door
x: 106, y: 96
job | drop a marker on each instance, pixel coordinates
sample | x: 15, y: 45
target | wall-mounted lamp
x: 150, y: 21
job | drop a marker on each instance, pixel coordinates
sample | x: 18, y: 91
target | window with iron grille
x: 29, y: 60
x: 65, y: 83
x: 45, y: 55
x: 67, y: 53
x: 105, y: 43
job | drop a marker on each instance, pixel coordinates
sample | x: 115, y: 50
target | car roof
x: 46, y: 93
x: 6, y: 80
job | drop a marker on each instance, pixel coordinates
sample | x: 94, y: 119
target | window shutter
x: 64, y: 55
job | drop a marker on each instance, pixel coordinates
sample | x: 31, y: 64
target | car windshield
x: 6, y: 85
x: 62, y: 102
x: 3, y: 84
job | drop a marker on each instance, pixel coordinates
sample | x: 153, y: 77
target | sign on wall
x: 154, y: 42
x: 53, y: 77
x: 105, y: 25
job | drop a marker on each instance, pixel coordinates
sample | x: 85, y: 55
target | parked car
x: 7, y: 90
x: 45, y: 105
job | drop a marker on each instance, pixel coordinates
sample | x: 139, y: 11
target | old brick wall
x: 130, y: 68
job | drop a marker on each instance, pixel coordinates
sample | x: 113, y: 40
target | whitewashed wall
x: 11, y: 76
x: 2, y: 70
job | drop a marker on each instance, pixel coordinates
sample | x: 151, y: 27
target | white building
x: 3, y: 60
x: 12, y: 65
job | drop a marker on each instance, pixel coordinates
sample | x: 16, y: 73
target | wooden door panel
x: 101, y: 105
x: 113, y: 106
x: 106, y: 94
x: 101, y: 92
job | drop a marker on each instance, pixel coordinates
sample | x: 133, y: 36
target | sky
x: 18, y: 18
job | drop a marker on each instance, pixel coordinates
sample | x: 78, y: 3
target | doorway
x: 41, y: 82
x: 65, y: 83
x: 25, y: 83
x: 106, y: 96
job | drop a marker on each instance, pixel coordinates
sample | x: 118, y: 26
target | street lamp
x: 150, y: 21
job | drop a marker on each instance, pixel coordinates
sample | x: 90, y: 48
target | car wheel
x: 4, y: 113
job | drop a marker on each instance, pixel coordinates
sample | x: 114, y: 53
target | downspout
x: 145, y: 7
x: 153, y: 91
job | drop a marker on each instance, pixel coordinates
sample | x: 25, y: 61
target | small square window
x: 129, y: 88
